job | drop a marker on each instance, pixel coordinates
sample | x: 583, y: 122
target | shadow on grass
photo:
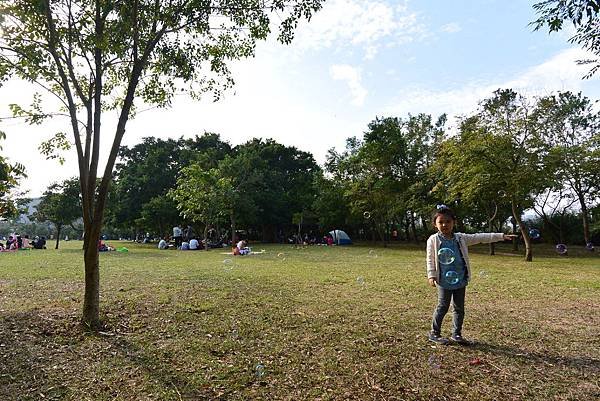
x: 26, y: 357
x: 591, y: 365
x: 48, y: 357
x: 159, y: 370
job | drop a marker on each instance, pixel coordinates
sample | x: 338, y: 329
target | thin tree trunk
x: 58, y: 229
x: 492, y: 244
x: 232, y: 219
x: 585, y: 218
x: 524, y: 232
x: 515, y: 241
x: 91, y: 300
x: 413, y: 228
x: 206, y: 241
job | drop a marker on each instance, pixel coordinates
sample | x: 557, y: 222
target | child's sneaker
x: 458, y: 339
x: 437, y: 338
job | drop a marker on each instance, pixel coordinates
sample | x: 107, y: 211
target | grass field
x: 316, y: 323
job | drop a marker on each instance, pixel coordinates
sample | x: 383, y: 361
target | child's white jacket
x: 464, y: 240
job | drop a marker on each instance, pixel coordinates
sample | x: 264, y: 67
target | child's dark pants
x: 458, y: 303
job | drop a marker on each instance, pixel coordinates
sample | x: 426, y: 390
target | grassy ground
x: 317, y: 323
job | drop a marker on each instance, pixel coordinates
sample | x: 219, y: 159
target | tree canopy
x: 582, y: 14
x: 101, y: 55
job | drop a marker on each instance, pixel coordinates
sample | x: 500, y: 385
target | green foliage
x: 582, y: 14
x: 383, y: 174
x: 60, y: 203
x: 148, y: 170
x: 10, y: 174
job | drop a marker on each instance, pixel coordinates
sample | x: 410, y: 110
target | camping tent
x: 340, y: 237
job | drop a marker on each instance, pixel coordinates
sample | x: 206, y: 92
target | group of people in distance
x: 183, y: 239
x: 17, y: 242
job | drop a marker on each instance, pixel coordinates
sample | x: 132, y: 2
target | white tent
x: 340, y: 237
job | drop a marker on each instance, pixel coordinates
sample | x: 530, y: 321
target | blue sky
x: 357, y: 59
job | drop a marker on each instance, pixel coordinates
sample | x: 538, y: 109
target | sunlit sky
x: 357, y: 59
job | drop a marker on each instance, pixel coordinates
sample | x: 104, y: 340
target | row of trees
x: 512, y: 155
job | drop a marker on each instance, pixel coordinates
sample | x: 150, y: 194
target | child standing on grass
x: 449, y: 270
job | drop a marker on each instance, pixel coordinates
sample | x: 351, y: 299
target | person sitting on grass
x: 241, y: 248
x: 185, y: 246
x: 39, y: 242
x: 103, y: 247
x: 162, y: 244
x: 26, y: 242
x: 449, y: 269
x: 194, y: 244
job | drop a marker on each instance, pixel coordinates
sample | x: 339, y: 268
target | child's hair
x: 442, y: 210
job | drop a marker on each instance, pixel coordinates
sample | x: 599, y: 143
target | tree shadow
x: 590, y: 364
x: 26, y: 357
x: 159, y: 370
x: 44, y: 356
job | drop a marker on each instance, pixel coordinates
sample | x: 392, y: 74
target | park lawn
x: 296, y: 323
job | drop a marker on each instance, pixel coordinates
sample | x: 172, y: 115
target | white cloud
x: 360, y: 23
x: 452, y: 27
x: 559, y: 73
x: 352, y: 77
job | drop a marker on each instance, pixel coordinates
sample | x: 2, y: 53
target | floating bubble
x: 367, y: 215
x: 227, y: 264
x: 502, y: 194
x: 281, y: 256
x: 483, y: 274
x: 446, y: 256
x: 372, y: 253
x: 534, y: 233
x: 452, y: 277
x: 360, y: 280
x: 259, y: 370
x: 434, y: 362
x: 589, y: 246
x: 561, y: 249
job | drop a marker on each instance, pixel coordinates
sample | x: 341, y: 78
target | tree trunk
x: 492, y: 244
x: 515, y: 241
x: 91, y: 300
x: 58, y: 229
x: 524, y: 232
x: 413, y: 228
x: 232, y: 219
x: 585, y: 218
x: 206, y: 241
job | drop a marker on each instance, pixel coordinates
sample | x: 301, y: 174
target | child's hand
x: 510, y: 237
x: 431, y: 281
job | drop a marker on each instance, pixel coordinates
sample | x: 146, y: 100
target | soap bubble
x: 360, y: 280
x: 372, y: 253
x: 367, y: 215
x: 259, y: 370
x: 589, y: 246
x: 502, y: 194
x: 434, y: 362
x: 446, y: 256
x: 281, y: 256
x: 452, y: 277
x: 561, y: 249
x: 483, y: 274
x: 534, y: 233
x: 228, y: 264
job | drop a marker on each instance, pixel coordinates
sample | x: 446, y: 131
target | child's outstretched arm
x: 486, y: 238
